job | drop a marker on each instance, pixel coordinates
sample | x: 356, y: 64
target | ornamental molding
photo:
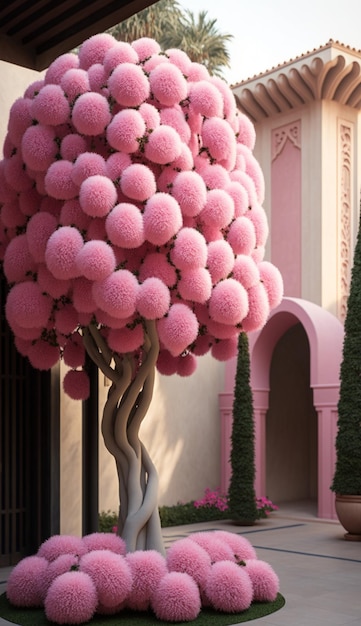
x: 290, y: 132
x: 345, y: 184
x: 330, y: 73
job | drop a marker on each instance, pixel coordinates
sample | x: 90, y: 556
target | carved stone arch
x: 325, y: 335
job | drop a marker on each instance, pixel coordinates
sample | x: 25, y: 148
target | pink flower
x: 96, y: 260
x: 147, y: 567
x: 58, y: 181
x: 258, y: 308
x: 97, y: 195
x: 186, y: 364
x: 117, y: 293
x: 119, y: 52
x: 164, y: 145
x: 42, y: 355
x: 129, y: 85
x: 27, y: 306
x: 264, y: 580
x: 205, y: 99
x: 91, y: 114
x: 74, y: 82
x: 50, y: 106
x: 56, y: 545
x: 19, y: 119
x: 123, y: 340
x: 126, y: 130
x: 24, y: 588
x: 138, y: 182
x: 39, y: 147
x: 88, y: 164
x: 190, y: 191
x: 162, y: 218
x: 111, y: 575
x: 153, y: 298
x: 229, y: 302
x: 124, y: 226
x: 168, y: 84
x: 58, y: 68
x: 229, y: 588
x: 94, y: 49
x: 145, y: 47
x: 105, y: 541
x: 18, y: 262
x: 62, y: 250
x: 179, y: 329
x: 185, y: 555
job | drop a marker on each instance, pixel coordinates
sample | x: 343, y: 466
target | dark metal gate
x: 29, y: 450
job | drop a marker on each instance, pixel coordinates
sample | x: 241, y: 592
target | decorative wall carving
x: 345, y: 174
x: 280, y: 136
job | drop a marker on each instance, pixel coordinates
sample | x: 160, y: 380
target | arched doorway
x: 324, y: 334
x: 291, y: 423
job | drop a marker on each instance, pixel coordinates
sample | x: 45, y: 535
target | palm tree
x: 201, y: 40
x: 173, y: 28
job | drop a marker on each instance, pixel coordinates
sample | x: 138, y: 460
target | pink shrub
x: 58, y: 181
x: 241, y: 547
x: 123, y: 340
x: 190, y: 191
x: 39, y: 147
x: 129, y: 85
x: 125, y: 130
x: 71, y: 599
x: 147, y: 567
x: 117, y: 293
x: 18, y: 262
x: 189, y: 250
x: 168, y: 84
x: 179, y: 329
x: 61, y: 252
x: 27, y: 306
x: 228, y: 303
x: 94, y: 50
x: 185, y: 555
x: 95, y: 260
x: 186, y: 364
x: 56, y: 545
x: 264, y: 580
x: 162, y: 218
x: 76, y: 384
x: 229, y: 588
x: 50, y: 106
x: 153, y: 298
x: 91, y: 114
x: 62, y: 564
x: 225, y: 349
x: 138, y: 182
x: 40, y: 227
x: 217, y: 549
x: 42, y: 355
x: 206, y: 99
x: 163, y: 146
x: 24, y: 588
x: 177, y: 598
x: 105, y: 541
x: 111, y: 575
x: 74, y: 83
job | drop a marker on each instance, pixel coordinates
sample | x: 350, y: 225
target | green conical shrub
x: 347, y: 477
x: 241, y: 494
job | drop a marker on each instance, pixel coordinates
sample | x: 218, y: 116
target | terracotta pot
x: 348, y: 509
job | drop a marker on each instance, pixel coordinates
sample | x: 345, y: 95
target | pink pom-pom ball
x: 220, y: 260
x: 16, y: 175
x: 124, y: 226
x: 152, y: 62
x: 228, y: 303
x: 177, y: 598
x: 248, y: 184
x: 91, y: 114
x: 166, y: 363
x: 74, y: 351
x: 258, y: 308
x: 162, y: 218
x: 105, y: 541
x: 205, y: 99
x: 246, y: 271
x: 24, y: 587
x: 179, y: 329
x: 164, y: 145
x: 29, y: 201
x: 229, y: 101
x: 229, y: 587
x: 138, y: 182
x: 156, y: 264
x: 18, y: 262
x: 7, y: 193
x: 111, y: 575
x: 246, y: 133
x: 202, y: 344
x: 96, y: 229
x: 190, y: 191
x: 63, y: 563
x: 27, y: 306
x: 218, y: 210
x: 76, y: 384
x: 97, y: 195
x: 197, y: 72
x: 195, y: 285
x: 153, y: 298
x: 72, y: 146
x: 239, y: 196
x: 242, y: 235
x: 258, y: 217
x: 94, y: 49
x: 221, y: 331
x: 116, y: 164
x: 241, y: 547
x: 88, y: 164
x: 126, y: 130
x: 42, y: 355
x: 27, y: 335
x: 215, y: 176
x: 147, y: 567
x: 96, y: 260
x: 225, y: 349
x: 58, y: 181
x: 189, y: 250
x: 19, y: 120
x: 129, y: 85
x: 62, y: 250
x: 218, y: 137
x: 145, y: 47
x: 83, y: 300
x: 264, y: 579
x: 23, y: 345
x: 120, y: 52
x: 40, y: 227
x: 56, y: 545
x: 272, y: 281
x: 180, y: 59
x: 71, y: 214
x: 74, y: 83
x: 35, y: 87
x: 117, y: 293
x: 258, y: 254
x: 254, y: 171
x: 58, y: 68
x: 166, y: 179
x: 185, y: 555
x: 50, y: 106
x: 66, y: 319
x: 150, y: 115
x: 186, y: 365
x: 11, y: 215
x: 71, y: 599
x: 123, y: 340
x: 168, y: 84
x: 97, y: 77
x: 174, y: 117
x: 217, y: 549
x: 184, y: 162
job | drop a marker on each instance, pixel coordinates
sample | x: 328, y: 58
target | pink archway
x: 325, y: 335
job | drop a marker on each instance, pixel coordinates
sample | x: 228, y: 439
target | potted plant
x: 347, y: 478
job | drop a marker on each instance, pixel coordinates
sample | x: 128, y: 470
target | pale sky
x: 269, y: 32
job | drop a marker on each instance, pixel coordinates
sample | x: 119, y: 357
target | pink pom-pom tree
x: 132, y: 182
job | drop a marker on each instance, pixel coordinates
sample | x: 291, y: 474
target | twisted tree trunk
x: 128, y: 400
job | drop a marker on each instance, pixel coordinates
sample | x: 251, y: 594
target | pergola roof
x: 34, y: 32
x: 331, y: 72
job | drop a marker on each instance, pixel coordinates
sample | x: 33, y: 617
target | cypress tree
x: 241, y: 494
x: 347, y: 477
